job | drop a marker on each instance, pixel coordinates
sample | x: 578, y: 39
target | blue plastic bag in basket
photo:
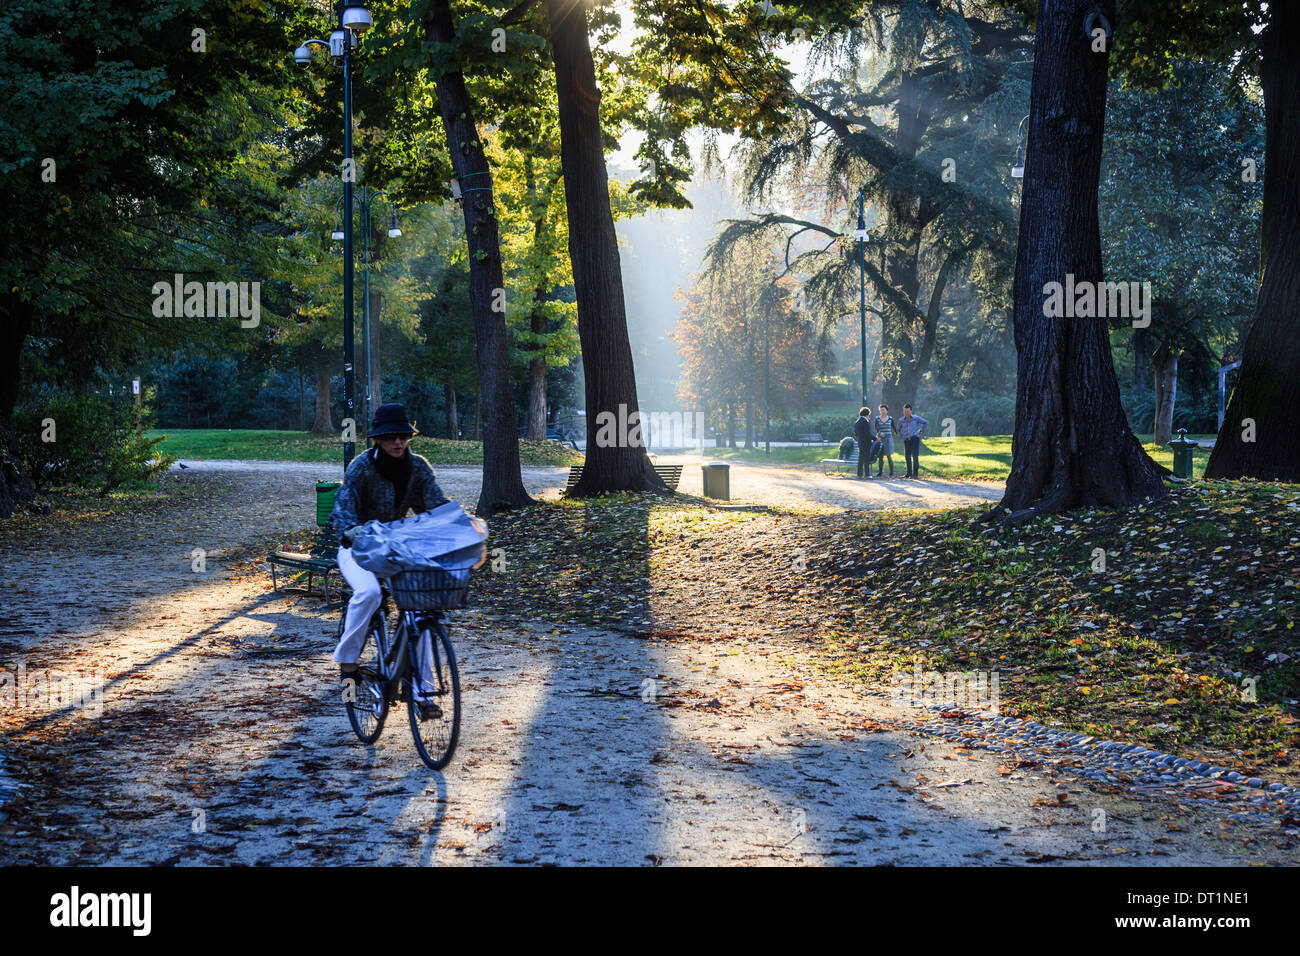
x: 445, y: 538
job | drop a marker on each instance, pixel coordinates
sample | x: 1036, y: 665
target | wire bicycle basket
x: 429, y: 589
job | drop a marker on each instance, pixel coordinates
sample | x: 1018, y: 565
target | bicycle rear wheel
x: 365, y: 701
x: 435, y: 722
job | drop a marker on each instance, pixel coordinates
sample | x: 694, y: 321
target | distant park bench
x: 321, y: 560
x: 812, y: 438
x: 671, y: 474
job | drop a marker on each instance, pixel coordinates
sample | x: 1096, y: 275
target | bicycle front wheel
x: 364, y: 699
x: 433, y: 703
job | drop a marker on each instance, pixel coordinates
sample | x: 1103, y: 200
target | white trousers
x: 366, y: 596
x: 365, y: 599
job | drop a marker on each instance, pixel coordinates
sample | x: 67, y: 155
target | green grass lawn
x: 303, y: 446
x: 987, y: 457
x: 983, y: 457
x: 940, y: 458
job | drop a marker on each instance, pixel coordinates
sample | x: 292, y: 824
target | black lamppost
x: 767, y: 377
x: 354, y: 19
x: 861, y: 235
x: 366, y: 209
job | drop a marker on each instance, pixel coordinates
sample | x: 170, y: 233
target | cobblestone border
x: 1104, y: 761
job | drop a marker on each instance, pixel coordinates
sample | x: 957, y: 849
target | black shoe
x: 350, y: 675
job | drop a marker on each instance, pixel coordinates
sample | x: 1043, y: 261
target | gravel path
x: 222, y: 738
x: 806, y: 488
x: 787, y: 486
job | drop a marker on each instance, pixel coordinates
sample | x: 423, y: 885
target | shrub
x: 85, y: 440
x: 973, y: 414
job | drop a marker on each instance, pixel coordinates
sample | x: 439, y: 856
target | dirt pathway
x: 803, y: 487
x: 222, y: 738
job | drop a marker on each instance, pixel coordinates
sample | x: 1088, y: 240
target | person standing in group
x: 864, y: 433
x: 911, y: 428
x: 885, y: 435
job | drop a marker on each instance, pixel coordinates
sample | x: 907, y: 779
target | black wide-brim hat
x: 391, y: 420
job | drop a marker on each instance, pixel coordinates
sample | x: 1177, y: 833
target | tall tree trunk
x: 15, y: 322
x: 537, y: 320
x: 1267, y: 393
x: 302, y: 401
x: 1141, y: 341
x: 453, y: 422
x: 503, y: 485
x: 597, y: 273
x: 537, y: 392
x: 902, y: 269
x: 1165, y: 365
x: 1072, y: 446
x: 907, y: 220
x: 731, y: 424
x: 900, y: 388
x: 323, y: 425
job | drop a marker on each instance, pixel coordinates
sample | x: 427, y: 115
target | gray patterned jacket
x: 367, y: 495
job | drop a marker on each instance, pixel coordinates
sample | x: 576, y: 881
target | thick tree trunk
x: 1165, y: 365
x: 902, y: 266
x: 15, y: 322
x: 901, y: 375
x: 621, y: 464
x: 731, y: 424
x: 1259, y: 438
x: 323, y: 425
x: 453, y: 422
x: 537, y: 394
x: 900, y: 388
x: 1072, y: 446
x: 503, y: 485
x: 1141, y: 340
x: 537, y: 321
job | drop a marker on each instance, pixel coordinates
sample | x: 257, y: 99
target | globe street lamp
x: 353, y: 20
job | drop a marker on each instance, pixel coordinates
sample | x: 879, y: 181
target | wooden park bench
x: 671, y: 474
x: 321, y: 560
x: 812, y: 438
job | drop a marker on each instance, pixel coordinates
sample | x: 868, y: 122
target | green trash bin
x: 717, y: 481
x: 1183, y: 448
x: 325, y: 500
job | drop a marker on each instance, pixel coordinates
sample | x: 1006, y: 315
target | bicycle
x: 388, y: 671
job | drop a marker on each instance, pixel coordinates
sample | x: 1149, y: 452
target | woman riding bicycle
x: 383, y: 483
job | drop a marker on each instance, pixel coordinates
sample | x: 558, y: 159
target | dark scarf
x: 396, y: 470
